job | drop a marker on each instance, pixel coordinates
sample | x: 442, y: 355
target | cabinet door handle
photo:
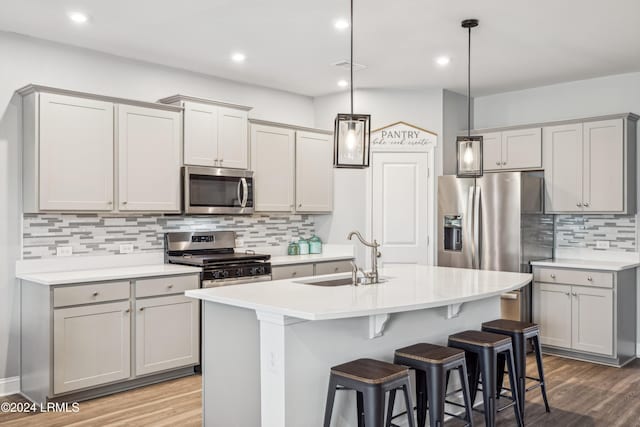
x: 110, y: 202
x: 586, y: 205
x: 141, y: 308
x: 497, y: 163
x: 124, y: 202
x: 567, y: 293
x: 590, y: 279
x: 553, y: 276
x: 300, y: 205
x: 574, y: 294
x: 579, y: 204
x: 127, y: 310
x: 504, y: 163
x: 95, y: 294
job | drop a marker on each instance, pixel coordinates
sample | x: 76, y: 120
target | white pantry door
x: 400, y: 202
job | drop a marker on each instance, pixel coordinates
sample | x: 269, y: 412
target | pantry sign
x: 402, y: 136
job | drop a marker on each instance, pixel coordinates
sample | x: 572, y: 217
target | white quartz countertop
x: 103, y: 274
x: 607, y: 265
x: 408, y: 288
x: 306, y: 259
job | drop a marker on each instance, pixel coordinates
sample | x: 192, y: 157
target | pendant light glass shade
x: 351, y: 140
x: 469, y: 155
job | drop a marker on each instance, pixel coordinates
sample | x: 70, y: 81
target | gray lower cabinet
x: 309, y: 269
x: 83, y: 340
x: 586, y: 314
x: 91, y: 345
x: 167, y: 333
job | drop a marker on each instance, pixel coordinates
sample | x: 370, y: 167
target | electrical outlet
x: 602, y: 244
x: 126, y: 248
x: 64, y: 251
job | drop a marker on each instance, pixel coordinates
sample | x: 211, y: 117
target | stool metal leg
x: 488, y: 364
x: 421, y: 397
x: 331, y: 394
x: 360, y: 406
x: 468, y: 407
x: 392, y: 402
x: 500, y: 385
x: 406, y: 388
x: 520, y: 359
x: 543, y: 384
x: 436, y: 394
x: 373, y: 407
x: 514, y: 390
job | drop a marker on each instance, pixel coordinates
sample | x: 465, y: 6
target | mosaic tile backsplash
x: 97, y: 234
x: 583, y: 231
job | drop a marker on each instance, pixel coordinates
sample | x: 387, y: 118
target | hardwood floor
x: 580, y: 394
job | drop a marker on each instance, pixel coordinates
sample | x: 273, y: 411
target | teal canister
x: 303, y: 244
x: 293, y: 248
x: 315, y: 245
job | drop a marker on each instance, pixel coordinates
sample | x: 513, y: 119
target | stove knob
x: 225, y: 274
x: 239, y: 272
x: 260, y: 270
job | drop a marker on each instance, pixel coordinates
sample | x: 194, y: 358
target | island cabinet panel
x: 149, y: 143
x: 273, y: 164
x: 291, y: 271
x: 314, y: 172
x: 167, y: 333
x: 593, y: 318
x: 74, y: 154
x: 332, y: 267
x: 91, y: 345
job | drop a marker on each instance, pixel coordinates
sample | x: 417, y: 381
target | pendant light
x: 469, y: 148
x: 352, y: 131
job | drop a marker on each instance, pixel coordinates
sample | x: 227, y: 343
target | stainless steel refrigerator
x: 495, y: 222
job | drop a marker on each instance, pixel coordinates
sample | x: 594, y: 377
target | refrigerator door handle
x: 477, y: 228
x: 471, y: 223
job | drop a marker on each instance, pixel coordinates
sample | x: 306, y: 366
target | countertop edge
x: 581, y: 265
x: 281, y: 260
x: 131, y: 274
x: 343, y: 315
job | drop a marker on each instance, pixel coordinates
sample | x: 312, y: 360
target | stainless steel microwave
x: 208, y: 190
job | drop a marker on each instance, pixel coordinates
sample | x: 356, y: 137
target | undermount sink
x: 334, y: 281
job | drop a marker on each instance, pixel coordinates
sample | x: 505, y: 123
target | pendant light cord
x: 468, y: 87
x: 351, y: 62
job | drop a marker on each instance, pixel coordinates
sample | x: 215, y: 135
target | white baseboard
x: 638, y: 349
x: 9, y: 386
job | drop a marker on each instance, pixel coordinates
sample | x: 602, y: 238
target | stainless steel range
x: 215, y: 253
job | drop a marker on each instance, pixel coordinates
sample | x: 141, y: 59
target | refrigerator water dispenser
x: 453, y: 233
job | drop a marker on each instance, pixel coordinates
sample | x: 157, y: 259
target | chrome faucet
x: 372, y: 276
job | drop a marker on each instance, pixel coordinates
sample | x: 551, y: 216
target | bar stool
x: 520, y: 333
x: 432, y: 364
x: 481, y: 351
x: 371, y: 379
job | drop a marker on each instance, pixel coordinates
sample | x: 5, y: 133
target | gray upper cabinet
x: 215, y: 133
x: 590, y: 166
x: 519, y: 149
x: 80, y: 150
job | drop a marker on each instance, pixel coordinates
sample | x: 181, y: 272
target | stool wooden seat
x: 370, y: 371
x: 371, y: 379
x: 433, y: 364
x: 482, y: 350
x: 520, y: 333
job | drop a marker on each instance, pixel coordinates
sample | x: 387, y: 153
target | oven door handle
x: 245, y: 192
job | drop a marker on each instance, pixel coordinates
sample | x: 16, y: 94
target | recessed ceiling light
x: 78, y: 17
x: 341, y: 24
x: 238, y: 57
x: 343, y: 83
x: 443, y: 60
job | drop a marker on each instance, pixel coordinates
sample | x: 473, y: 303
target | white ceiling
x: 292, y: 44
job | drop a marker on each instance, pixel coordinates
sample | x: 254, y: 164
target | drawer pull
x: 295, y: 273
x: 336, y: 269
x: 95, y: 294
x: 141, y: 308
x: 590, y: 279
x: 169, y: 286
x: 553, y: 276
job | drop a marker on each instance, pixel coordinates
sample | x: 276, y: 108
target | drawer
x: 291, y: 271
x: 90, y: 293
x: 574, y: 277
x: 333, y: 267
x: 168, y: 285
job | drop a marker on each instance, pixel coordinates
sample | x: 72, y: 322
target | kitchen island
x: 267, y: 347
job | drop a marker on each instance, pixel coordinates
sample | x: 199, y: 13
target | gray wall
x: 27, y: 60
x: 454, y: 120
